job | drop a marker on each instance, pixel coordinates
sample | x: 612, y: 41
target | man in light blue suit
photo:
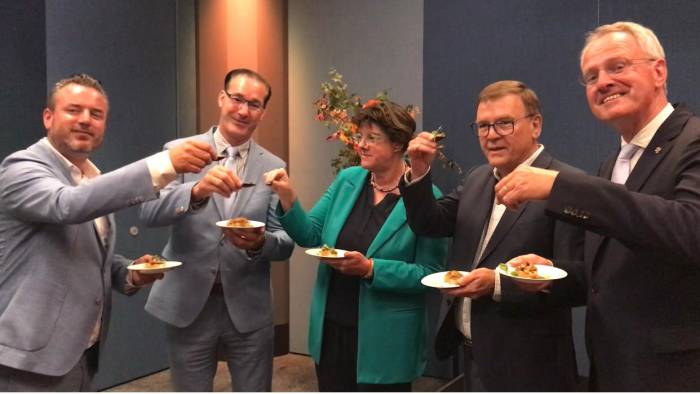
x: 57, y: 236
x: 218, y: 306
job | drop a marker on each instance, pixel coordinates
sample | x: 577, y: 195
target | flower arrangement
x: 335, y: 108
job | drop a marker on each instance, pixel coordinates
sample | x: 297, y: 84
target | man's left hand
x: 246, y: 239
x: 139, y: 279
x: 525, y: 183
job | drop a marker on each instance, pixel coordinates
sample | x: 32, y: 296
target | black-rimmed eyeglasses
x: 501, y: 127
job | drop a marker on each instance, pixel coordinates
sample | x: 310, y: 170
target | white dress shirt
x: 464, y: 304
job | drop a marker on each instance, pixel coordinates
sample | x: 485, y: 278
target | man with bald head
x: 642, y: 212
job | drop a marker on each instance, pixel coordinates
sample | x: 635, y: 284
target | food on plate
x: 327, y: 251
x: 523, y: 270
x: 453, y: 277
x: 154, y: 262
x: 239, y: 222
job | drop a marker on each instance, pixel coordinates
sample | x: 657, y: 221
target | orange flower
x: 371, y: 103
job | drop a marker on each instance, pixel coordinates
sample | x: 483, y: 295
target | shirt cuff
x: 497, y: 287
x: 161, y: 169
x: 408, y: 178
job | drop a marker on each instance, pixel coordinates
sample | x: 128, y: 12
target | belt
x: 217, y: 289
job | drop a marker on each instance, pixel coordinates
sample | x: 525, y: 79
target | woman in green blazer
x: 367, y: 329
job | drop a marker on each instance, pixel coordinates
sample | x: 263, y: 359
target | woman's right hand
x: 278, y: 180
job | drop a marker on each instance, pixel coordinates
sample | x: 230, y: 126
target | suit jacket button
x: 594, y: 290
x: 98, y: 301
x: 448, y: 302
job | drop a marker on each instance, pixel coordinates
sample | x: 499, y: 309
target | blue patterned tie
x: 622, y: 168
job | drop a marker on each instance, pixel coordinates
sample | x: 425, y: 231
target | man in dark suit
x: 514, y: 342
x: 642, y: 212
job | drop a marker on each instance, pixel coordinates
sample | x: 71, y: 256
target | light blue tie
x: 622, y: 168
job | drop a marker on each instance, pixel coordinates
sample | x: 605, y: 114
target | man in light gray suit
x: 57, y: 236
x: 218, y: 305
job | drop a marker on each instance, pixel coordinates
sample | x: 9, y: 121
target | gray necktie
x: 622, y: 168
x: 232, y: 160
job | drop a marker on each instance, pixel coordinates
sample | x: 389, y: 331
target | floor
x: 292, y: 372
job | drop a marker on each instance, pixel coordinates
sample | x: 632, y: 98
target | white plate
x: 316, y: 253
x: 253, y: 224
x: 547, y: 272
x: 145, y: 270
x: 437, y: 280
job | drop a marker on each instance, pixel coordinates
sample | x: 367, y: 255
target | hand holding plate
x: 139, y: 279
x: 353, y: 264
x: 476, y: 284
x: 246, y: 238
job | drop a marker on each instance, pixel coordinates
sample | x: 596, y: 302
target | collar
x: 644, y: 136
x: 527, y: 162
x: 221, y: 144
x: 90, y: 171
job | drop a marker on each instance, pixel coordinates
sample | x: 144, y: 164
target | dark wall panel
x: 23, y: 71
x: 130, y: 46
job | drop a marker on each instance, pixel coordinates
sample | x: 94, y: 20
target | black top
x: 360, y: 228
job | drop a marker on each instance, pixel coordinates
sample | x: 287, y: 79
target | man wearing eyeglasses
x: 642, y: 255
x: 509, y: 345
x: 218, y: 305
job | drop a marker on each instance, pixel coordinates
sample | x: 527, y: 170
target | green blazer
x: 392, y: 329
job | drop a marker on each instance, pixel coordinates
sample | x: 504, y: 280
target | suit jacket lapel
x: 219, y: 201
x: 658, y: 148
x: 346, y: 198
x: 396, y: 220
x: 253, y: 174
x: 480, y: 204
x: 544, y: 160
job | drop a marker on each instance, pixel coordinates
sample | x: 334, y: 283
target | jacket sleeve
x: 664, y: 223
x: 427, y: 215
x: 32, y: 192
x: 306, y: 228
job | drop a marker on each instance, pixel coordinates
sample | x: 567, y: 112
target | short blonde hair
x: 646, y: 38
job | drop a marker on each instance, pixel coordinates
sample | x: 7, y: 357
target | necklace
x: 385, y: 190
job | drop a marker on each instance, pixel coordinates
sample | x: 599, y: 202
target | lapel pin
x: 657, y: 150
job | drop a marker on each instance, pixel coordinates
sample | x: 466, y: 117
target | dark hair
x: 394, y: 120
x: 77, y: 79
x: 500, y: 89
x: 250, y: 74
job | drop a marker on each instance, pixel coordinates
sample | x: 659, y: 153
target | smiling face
x: 76, y: 124
x: 629, y: 99
x: 377, y: 153
x: 241, y: 108
x: 505, y: 152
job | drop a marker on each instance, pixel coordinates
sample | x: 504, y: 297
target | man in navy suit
x: 218, y: 306
x: 642, y: 211
x: 57, y: 235
x: 513, y: 341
